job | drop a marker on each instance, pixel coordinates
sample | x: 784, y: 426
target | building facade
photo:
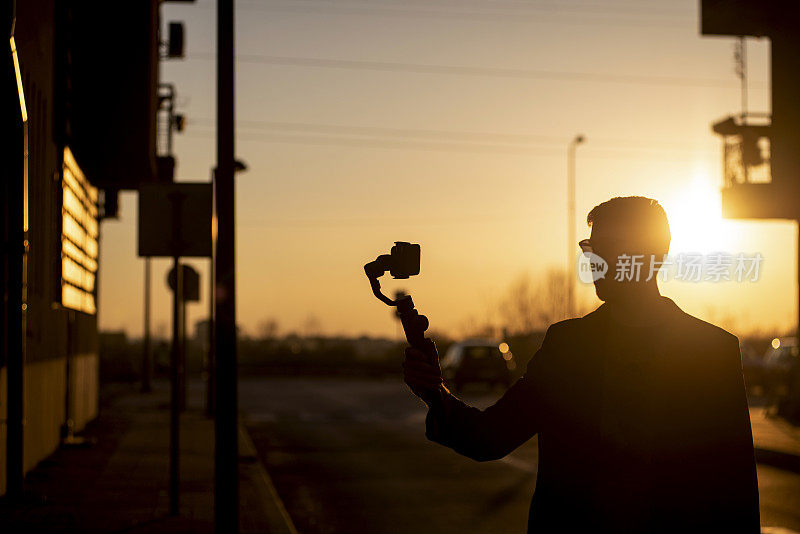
x: 79, y: 119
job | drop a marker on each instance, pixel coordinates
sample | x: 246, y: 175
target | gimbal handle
x: 414, y: 326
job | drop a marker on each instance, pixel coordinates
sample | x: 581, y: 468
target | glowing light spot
x: 695, y: 218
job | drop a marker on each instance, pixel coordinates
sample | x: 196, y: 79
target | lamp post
x: 577, y: 140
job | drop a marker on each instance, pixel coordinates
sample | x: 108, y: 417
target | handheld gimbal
x: 403, y: 262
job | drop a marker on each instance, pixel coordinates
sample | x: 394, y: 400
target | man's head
x: 628, y: 233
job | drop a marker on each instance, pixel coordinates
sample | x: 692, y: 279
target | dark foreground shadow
x: 780, y: 460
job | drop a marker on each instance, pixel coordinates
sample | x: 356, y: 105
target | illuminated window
x: 79, y: 231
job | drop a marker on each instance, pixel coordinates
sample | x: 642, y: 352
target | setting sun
x: 695, y: 219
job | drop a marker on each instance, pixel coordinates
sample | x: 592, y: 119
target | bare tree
x: 312, y: 326
x: 533, y: 304
x: 476, y: 327
x: 268, y: 329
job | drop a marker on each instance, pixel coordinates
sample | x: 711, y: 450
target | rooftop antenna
x: 740, y: 57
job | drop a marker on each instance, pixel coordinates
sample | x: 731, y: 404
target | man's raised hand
x: 422, y: 374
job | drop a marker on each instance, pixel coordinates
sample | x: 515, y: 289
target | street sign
x: 190, y: 282
x: 175, y: 220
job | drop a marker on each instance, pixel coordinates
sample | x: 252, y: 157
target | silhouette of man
x: 639, y: 408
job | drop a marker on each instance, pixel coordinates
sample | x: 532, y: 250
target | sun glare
x: 695, y: 219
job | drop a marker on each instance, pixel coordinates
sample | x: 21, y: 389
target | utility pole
x: 147, y: 349
x: 226, y: 479
x: 571, y: 239
x: 211, y: 366
x: 175, y: 377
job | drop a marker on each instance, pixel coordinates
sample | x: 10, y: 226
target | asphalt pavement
x: 350, y: 455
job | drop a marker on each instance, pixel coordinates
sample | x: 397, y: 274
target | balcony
x: 745, y: 149
x: 748, y: 190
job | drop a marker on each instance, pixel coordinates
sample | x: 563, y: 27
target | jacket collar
x: 667, y: 311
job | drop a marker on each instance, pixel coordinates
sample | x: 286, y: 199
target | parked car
x: 753, y: 368
x: 780, y: 358
x: 477, y: 361
x: 782, y: 353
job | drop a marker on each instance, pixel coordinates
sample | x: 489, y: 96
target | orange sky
x: 446, y: 123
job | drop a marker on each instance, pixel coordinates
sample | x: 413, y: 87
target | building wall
x: 53, y: 332
x: 45, y: 402
x: 44, y: 409
x: 85, y: 394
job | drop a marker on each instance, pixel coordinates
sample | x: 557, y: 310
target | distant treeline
x: 121, y: 358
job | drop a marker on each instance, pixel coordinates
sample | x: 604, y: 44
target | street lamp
x: 577, y: 140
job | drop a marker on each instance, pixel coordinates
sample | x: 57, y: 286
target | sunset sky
x: 446, y: 123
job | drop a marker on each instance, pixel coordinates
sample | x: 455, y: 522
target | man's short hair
x: 640, y: 220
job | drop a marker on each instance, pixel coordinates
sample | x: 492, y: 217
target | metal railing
x: 746, y: 157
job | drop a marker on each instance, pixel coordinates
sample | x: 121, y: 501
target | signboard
x: 190, y: 283
x: 175, y: 220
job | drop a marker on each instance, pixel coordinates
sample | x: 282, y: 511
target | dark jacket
x: 640, y: 429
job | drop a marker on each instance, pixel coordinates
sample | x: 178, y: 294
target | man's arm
x: 479, y: 434
x: 732, y: 440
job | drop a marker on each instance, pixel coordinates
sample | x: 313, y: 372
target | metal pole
x: 174, y: 409
x: 147, y: 354
x: 211, y: 355
x: 226, y: 496
x: 170, y: 117
x: 182, y: 354
x: 570, y: 227
x: 571, y: 239
x: 68, y: 428
x: 791, y: 406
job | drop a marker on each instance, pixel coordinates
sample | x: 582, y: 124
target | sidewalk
x: 120, y: 484
x: 777, y: 441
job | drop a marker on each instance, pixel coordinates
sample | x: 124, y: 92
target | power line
x: 608, y: 7
x: 402, y: 144
x: 491, y: 72
x: 337, y: 129
x: 428, y: 146
x: 447, y: 135
x: 502, y: 6
x: 539, y: 14
x: 362, y: 222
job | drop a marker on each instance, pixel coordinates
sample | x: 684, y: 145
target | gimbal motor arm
x: 376, y: 269
x: 414, y: 324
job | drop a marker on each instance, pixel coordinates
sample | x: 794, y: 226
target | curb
x: 269, y: 494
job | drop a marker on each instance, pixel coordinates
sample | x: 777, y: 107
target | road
x: 350, y: 455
